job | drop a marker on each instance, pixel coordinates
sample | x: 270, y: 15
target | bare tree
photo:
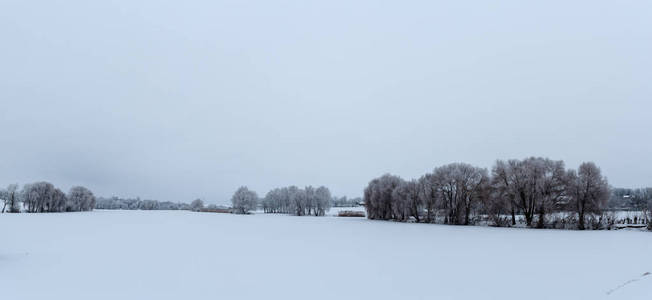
x: 322, y: 200
x: 461, y: 187
x: 415, y: 201
x: 532, y: 186
x: 589, y: 191
x: 504, y: 190
x: 429, y: 196
x: 551, y: 187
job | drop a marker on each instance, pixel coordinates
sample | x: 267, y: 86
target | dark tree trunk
x: 542, y: 218
x: 528, y: 219
x: 580, y: 226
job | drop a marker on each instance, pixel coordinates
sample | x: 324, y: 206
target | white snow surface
x: 187, y: 255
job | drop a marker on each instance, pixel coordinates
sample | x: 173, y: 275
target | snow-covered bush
x: 350, y: 213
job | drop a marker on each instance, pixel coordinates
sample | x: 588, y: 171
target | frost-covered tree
x: 297, y: 201
x: 589, y: 191
x: 401, y: 202
x: 505, y: 194
x: 379, y: 197
x: 57, y: 203
x: 322, y: 201
x: 197, y: 205
x: 407, y: 201
x: 43, y: 197
x: 642, y: 201
x: 552, y: 188
x: 149, y: 205
x: 80, y: 199
x: 415, y: 200
x: 4, y: 198
x: 33, y: 195
x: 167, y: 205
x: 244, y: 201
x: 10, y: 197
x: 429, y: 196
x: 499, y: 205
x: 274, y: 201
x: 310, y: 200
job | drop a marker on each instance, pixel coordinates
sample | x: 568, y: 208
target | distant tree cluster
x: 197, y: 205
x: 42, y: 197
x: 345, y: 202
x: 297, y: 201
x: 630, y: 199
x: 639, y: 200
x: 534, y: 189
x: 138, y: 204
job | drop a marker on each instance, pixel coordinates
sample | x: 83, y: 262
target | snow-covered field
x: 186, y: 255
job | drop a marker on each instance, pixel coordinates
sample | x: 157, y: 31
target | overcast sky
x: 174, y: 100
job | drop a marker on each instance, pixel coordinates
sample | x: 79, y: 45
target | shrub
x: 350, y: 213
x: 216, y: 210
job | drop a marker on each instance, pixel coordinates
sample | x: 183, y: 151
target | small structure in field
x: 351, y: 213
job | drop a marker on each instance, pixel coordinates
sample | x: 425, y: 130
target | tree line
x: 138, y: 204
x: 536, y: 191
x: 40, y: 197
